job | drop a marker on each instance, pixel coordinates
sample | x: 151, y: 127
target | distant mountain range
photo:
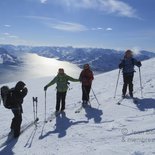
x: 8, y: 59
x: 101, y: 60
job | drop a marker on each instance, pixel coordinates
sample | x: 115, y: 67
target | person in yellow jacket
x: 62, y: 85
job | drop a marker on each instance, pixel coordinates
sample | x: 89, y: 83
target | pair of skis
x: 27, y: 126
x: 10, y: 136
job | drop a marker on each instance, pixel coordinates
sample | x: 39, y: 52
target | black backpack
x: 6, y: 95
x: 14, y: 96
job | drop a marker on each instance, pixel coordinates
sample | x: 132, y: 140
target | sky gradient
x: 114, y: 24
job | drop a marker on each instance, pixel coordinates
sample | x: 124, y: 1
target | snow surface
x: 108, y: 129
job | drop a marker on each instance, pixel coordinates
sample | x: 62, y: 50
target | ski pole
x: 36, y: 106
x: 140, y: 77
x: 33, y: 107
x: 95, y: 96
x: 117, y: 82
x: 45, y: 107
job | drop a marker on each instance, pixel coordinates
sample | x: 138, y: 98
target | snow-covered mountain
x: 108, y: 128
x: 8, y: 59
x: 101, y: 60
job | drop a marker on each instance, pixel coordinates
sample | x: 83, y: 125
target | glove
x: 139, y: 64
x: 45, y: 88
x: 24, y: 92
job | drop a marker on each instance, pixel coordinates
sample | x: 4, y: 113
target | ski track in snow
x: 108, y: 128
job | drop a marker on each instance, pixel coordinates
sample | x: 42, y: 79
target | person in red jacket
x: 86, y: 78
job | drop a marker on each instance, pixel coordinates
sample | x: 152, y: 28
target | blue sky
x: 114, y: 24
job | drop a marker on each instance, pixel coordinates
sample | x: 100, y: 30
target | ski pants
x: 85, y: 92
x: 127, y: 79
x: 60, y: 99
x: 16, y: 121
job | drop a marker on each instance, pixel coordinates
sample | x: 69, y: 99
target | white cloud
x: 39, y: 18
x: 71, y: 27
x: 11, y: 36
x: 6, y: 34
x: 99, y: 28
x: 60, y: 25
x: 136, y: 50
x: 110, y: 6
x: 67, y: 26
x: 96, y: 29
x: 109, y: 29
x: 7, y: 25
x: 119, y: 7
x: 43, y: 1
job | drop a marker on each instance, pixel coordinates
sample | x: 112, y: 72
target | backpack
x: 133, y: 61
x: 13, y: 97
x: 6, y: 97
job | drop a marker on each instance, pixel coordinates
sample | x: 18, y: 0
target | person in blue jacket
x: 127, y: 66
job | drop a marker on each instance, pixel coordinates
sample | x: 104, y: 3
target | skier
x: 86, y: 78
x: 127, y: 64
x: 13, y: 98
x: 62, y: 85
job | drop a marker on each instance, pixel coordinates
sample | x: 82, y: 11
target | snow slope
x: 108, y: 129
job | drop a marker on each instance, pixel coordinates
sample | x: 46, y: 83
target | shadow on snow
x: 61, y: 126
x: 8, y: 146
x: 145, y: 103
x: 93, y: 113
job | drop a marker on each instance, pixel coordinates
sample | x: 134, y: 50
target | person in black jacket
x: 17, y: 95
x: 127, y: 64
